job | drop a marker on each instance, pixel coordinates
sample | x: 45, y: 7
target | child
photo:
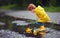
x: 41, y: 14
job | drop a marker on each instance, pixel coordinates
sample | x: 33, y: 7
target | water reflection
x: 21, y: 23
x: 42, y: 34
x: 34, y: 33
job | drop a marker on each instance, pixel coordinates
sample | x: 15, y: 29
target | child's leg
x: 41, y: 26
x: 41, y: 29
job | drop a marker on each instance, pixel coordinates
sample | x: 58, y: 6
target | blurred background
x: 22, y: 4
x: 15, y: 18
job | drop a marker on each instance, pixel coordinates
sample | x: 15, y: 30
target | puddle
x: 11, y: 34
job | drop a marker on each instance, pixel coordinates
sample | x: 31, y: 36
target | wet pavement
x: 55, y: 17
x: 11, y: 34
x: 52, y: 34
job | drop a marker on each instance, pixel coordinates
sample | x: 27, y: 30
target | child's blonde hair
x: 31, y: 6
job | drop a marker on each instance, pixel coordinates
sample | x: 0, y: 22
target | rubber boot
x: 42, y: 28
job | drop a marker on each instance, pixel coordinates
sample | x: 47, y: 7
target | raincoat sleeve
x: 41, y: 14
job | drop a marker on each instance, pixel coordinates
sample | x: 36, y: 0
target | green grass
x: 8, y: 6
x: 14, y: 6
x: 52, y: 9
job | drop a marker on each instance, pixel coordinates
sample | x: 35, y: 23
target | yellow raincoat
x: 41, y: 14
